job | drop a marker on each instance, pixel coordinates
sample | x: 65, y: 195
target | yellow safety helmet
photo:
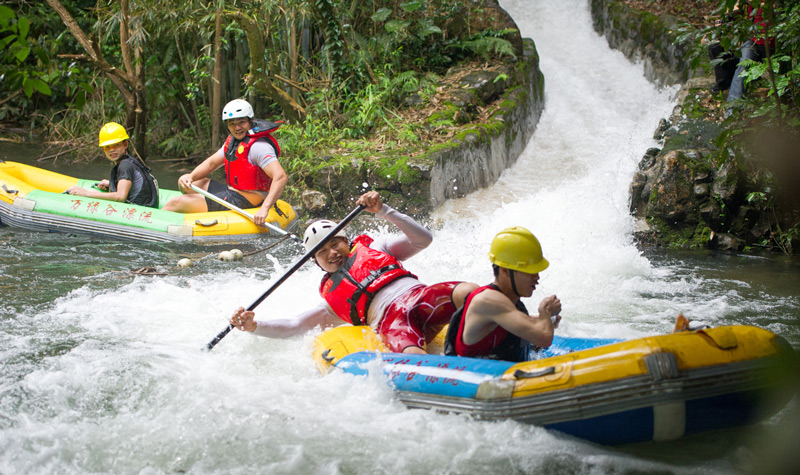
x: 112, y: 133
x: 516, y: 248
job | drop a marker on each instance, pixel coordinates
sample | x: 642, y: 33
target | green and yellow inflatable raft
x: 31, y: 199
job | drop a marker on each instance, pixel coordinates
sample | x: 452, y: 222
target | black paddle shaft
x: 308, y: 255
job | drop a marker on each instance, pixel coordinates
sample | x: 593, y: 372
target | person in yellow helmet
x: 130, y: 180
x: 494, y: 323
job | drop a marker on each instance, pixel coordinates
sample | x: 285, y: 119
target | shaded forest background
x: 349, y: 78
x: 334, y: 70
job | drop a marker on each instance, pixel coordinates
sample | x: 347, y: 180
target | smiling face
x: 331, y: 256
x: 115, y: 151
x: 238, y: 127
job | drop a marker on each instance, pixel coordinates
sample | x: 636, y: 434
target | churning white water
x: 112, y: 379
x: 570, y: 186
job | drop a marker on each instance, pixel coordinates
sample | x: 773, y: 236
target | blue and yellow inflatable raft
x: 31, y: 199
x: 606, y: 391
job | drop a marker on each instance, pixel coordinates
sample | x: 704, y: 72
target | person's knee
x: 180, y: 204
x: 414, y: 350
x: 170, y: 205
x: 174, y: 204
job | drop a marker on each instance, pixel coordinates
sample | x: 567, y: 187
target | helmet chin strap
x: 513, y: 282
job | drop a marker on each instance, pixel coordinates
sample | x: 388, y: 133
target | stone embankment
x: 474, y: 159
x: 687, y: 193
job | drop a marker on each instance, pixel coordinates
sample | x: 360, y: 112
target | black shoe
x: 716, y: 90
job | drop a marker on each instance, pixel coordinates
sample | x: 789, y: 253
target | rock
x: 761, y: 228
x: 661, y: 129
x: 462, y: 117
x: 638, y: 193
x: 464, y: 98
x: 701, y: 190
x: 649, y: 158
x: 726, y: 242
x: 703, y: 177
x: 710, y: 212
x: 486, y: 85
x: 314, y: 202
x: 494, y: 17
x: 413, y: 100
x: 673, y: 188
x: 726, y: 181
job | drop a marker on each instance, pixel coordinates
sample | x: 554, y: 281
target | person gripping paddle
x: 365, y: 283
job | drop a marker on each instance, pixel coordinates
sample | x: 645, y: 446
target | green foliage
x: 763, y: 131
x: 414, y: 30
x: 350, y: 64
x: 17, y: 49
x: 487, y: 45
x: 30, y: 68
x: 779, y: 74
x: 335, y: 42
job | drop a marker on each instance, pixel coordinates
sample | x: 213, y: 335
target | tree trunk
x: 136, y: 119
x: 195, y: 120
x: 337, y: 48
x: 293, y: 51
x: 216, y: 78
x: 258, y: 77
x: 128, y: 80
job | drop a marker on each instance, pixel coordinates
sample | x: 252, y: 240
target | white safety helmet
x: 237, y: 108
x: 317, y: 231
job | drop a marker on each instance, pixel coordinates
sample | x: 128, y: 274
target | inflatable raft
x: 32, y: 199
x: 605, y: 391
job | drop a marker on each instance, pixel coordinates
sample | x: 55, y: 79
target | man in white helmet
x: 366, y: 284
x: 250, y: 157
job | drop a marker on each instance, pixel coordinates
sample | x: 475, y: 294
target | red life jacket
x: 498, y: 344
x: 350, y: 290
x: 242, y: 174
x: 758, y: 19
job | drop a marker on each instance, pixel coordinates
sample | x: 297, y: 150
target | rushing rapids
x: 103, y: 372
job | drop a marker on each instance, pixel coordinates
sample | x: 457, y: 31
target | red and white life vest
x: 240, y: 173
x: 350, y: 290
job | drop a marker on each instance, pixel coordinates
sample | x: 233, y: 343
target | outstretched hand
x: 371, y: 201
x: 244, y: 320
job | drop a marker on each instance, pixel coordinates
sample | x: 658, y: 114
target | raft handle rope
x: 519, y: 374
x: 200, y: 223
x: 242, y: 212
x: 10, y: 192
x: 328, y: 359
x: 308, y: 255
x: 154, y: 271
